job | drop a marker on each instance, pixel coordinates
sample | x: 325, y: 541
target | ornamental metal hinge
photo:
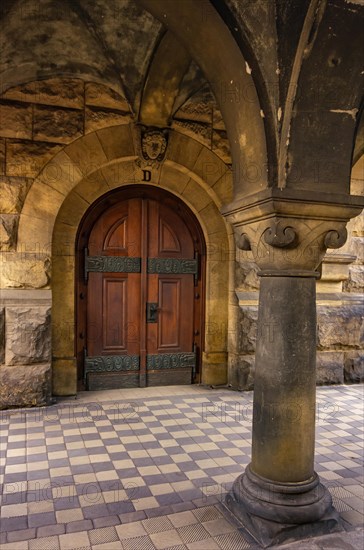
x: 111, y: 264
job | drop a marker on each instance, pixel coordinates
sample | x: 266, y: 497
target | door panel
x: 114, y: 315
x: 140, y: 262
x: 169, y: 335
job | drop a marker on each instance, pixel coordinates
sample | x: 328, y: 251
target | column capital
x: 289, y: 232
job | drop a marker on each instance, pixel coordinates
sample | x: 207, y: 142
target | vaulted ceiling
x: 286, y: 75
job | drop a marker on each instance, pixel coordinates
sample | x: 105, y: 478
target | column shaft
x: 284, y: 387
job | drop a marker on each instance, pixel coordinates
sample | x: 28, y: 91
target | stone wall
x: 340, y: 343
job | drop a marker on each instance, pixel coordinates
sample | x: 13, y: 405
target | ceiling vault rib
x: 308, y: 34
x: 168, y: 65
x: 89, y: 24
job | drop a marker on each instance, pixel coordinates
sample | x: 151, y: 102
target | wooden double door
x: 140, y: 307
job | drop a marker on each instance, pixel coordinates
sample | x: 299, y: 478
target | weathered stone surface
x: 247, y: 328
x: 2, y: 335
x: 354, y: 367
x: 340, y: 327
x: 198, y: 107
x: 25, y: 386
x: 357, y: 248
x: 217, y: 121
x: 25, y: 273
x: 98, y: 95
x: 28, y: 335
x: 221, y: 146
x: 12, y: 194
x: 8, y: 230
x: 15, y: 120
x: 198, y: 131
x: 241, y: 372
x: 101, y: 118
x: 355, y: 283
x: 329, y: 368
x: 247, y: 276
x: 54, y: 91
x: 26, y: 158
x: 57, y: 125
x: 2, y: 156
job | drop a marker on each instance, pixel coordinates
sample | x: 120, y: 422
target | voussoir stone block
x: 25, y: 385
x: 28, y: 335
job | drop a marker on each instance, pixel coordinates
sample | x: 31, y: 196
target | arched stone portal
x: 92, y: 167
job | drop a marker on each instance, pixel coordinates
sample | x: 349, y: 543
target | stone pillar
x: 279, y: 497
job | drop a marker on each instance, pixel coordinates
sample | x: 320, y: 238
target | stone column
x: 279, y: 497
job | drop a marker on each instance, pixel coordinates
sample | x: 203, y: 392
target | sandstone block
x: 99, y: 95
x: 53, y: 91
x: 12, y: 194
x: 355, y: 283
x: 8, y: 230
x: 218, y: 121
x: 241, y: 372
x: 340, y: 327
x: 28, y: 335
x: 221, y: 146
x: 2, y: 156
x: 2, y: 335
x: 116, y: 141
x: 214, y: 370
x: 357, y: 248
x: 101, y: 118
x: 247, y: 276
x: 354, y: 367
x: 57, y: 125
x: 64, y: 377
x: 197, y: 108
x: 247, y: 329
x: 25, y: 273
x: 197, y: 130
x: 25, y: 386
x: 15, y: 120
x: 26, y: 158
x: 330, y: 368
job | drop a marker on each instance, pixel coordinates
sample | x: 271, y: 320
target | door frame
x: 82, y: 238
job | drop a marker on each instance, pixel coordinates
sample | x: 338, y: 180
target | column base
x: 275, y: 513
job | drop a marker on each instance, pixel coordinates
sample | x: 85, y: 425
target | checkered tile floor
x: 149, y: 469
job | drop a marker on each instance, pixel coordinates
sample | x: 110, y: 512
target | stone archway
x: 93, y: 166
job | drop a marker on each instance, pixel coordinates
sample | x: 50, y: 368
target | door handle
x: 152, y: 312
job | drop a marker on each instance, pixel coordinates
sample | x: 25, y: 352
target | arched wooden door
x: 140, y: 288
